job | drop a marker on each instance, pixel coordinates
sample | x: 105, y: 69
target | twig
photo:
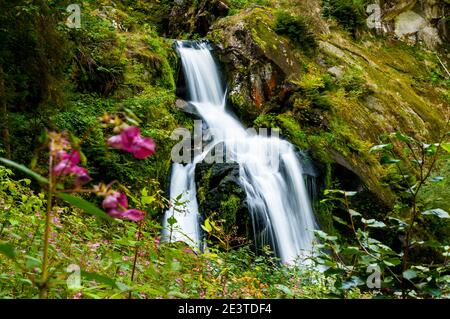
x: 440, y: 61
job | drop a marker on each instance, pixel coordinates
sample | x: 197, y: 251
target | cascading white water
x: 270, y: 171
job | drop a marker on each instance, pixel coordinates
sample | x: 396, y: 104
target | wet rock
x: 186, y: 107
x: 259, y: 62
x: 219, y: 190
x: 194, y: 17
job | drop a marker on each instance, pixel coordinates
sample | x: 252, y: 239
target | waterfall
x: 270, y: 171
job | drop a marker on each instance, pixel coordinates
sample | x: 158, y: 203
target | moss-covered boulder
x: 189, y: 18
x: 382, y: 86
x: 219, y: 192
x: 258, y: 62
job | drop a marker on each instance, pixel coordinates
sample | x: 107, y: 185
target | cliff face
x: 417, y: 20
x: 339, y: 100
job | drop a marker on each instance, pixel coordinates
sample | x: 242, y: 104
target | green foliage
x: 85, y: 206
x: 400, y: 271
x: 33, y: 55
x: 238, y: 5
x: 297, y: 29
x: 101, y: 254
x: 348, y: 13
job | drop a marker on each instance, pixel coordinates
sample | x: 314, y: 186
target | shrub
x: 296, y: 29
x: 348, y: 13
x: 237, y: 5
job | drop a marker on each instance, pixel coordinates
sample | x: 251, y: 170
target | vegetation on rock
x: 371, y: 110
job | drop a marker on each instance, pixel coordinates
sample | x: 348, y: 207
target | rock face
x: 417, y: 20
x: 189, y: 17
x: 219, y: 190
x: 258, y: 61
x: 408, y: 24
x: 337, y: 102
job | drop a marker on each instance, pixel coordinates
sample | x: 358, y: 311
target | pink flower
x: 116, y: 205
x: 114, y: 200
x: 134, y: 215
x: 68, y: 165
x: 130, y: 140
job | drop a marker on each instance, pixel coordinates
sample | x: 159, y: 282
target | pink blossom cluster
x: 116, y: 205
x: 130, y: 140
x: 67, y: 164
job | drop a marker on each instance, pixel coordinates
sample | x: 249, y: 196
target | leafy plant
x: 297, y: 29
x: 398, y: 273
x: 348, y: 13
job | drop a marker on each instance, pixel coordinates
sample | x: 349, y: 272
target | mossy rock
x: 219, y: 191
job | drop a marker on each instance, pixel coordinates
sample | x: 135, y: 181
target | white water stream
x: 270, y: 171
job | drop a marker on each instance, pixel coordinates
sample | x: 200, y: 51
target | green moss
x: 203, y: 186
x: 297, y: 29
x: 229, y: 209
x: 351, y: 14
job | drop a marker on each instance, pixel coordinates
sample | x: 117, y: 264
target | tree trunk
x: 4, y: 123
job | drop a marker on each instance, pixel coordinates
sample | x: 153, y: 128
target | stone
x: 189, y: 17
x: 408, y: 23
x: 186, y: 107
x: 257, y: 60
x: 336, y: 71
x: 430, y: 37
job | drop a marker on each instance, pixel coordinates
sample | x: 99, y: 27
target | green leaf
x: 122, y: 287
x: 85, y: 206
x: 24, y: 169
x: 437, y: 212
x: 409, y: 274
x: 7, y: 250
x: 284, y: 289
x: 380, y: 147
x: 146, y: 200
x: 353, y: 213
x: 430, y: 149
x: 373, y: 223
x: 340, y: 220
x: 351, y: 250
x: 32, y: 262
x: 171, y: 220
x: 391, y: 262
x: 338, y: 191
x: 324, y: 235
x: 207, y: 226
x: 388, y: 160
x: 421, y: 268
x: 402, y: 137
x: 83, y: 158
x: 446, y: 146
x: 89, y: 276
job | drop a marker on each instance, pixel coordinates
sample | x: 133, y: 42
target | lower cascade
x: 270, y: 171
